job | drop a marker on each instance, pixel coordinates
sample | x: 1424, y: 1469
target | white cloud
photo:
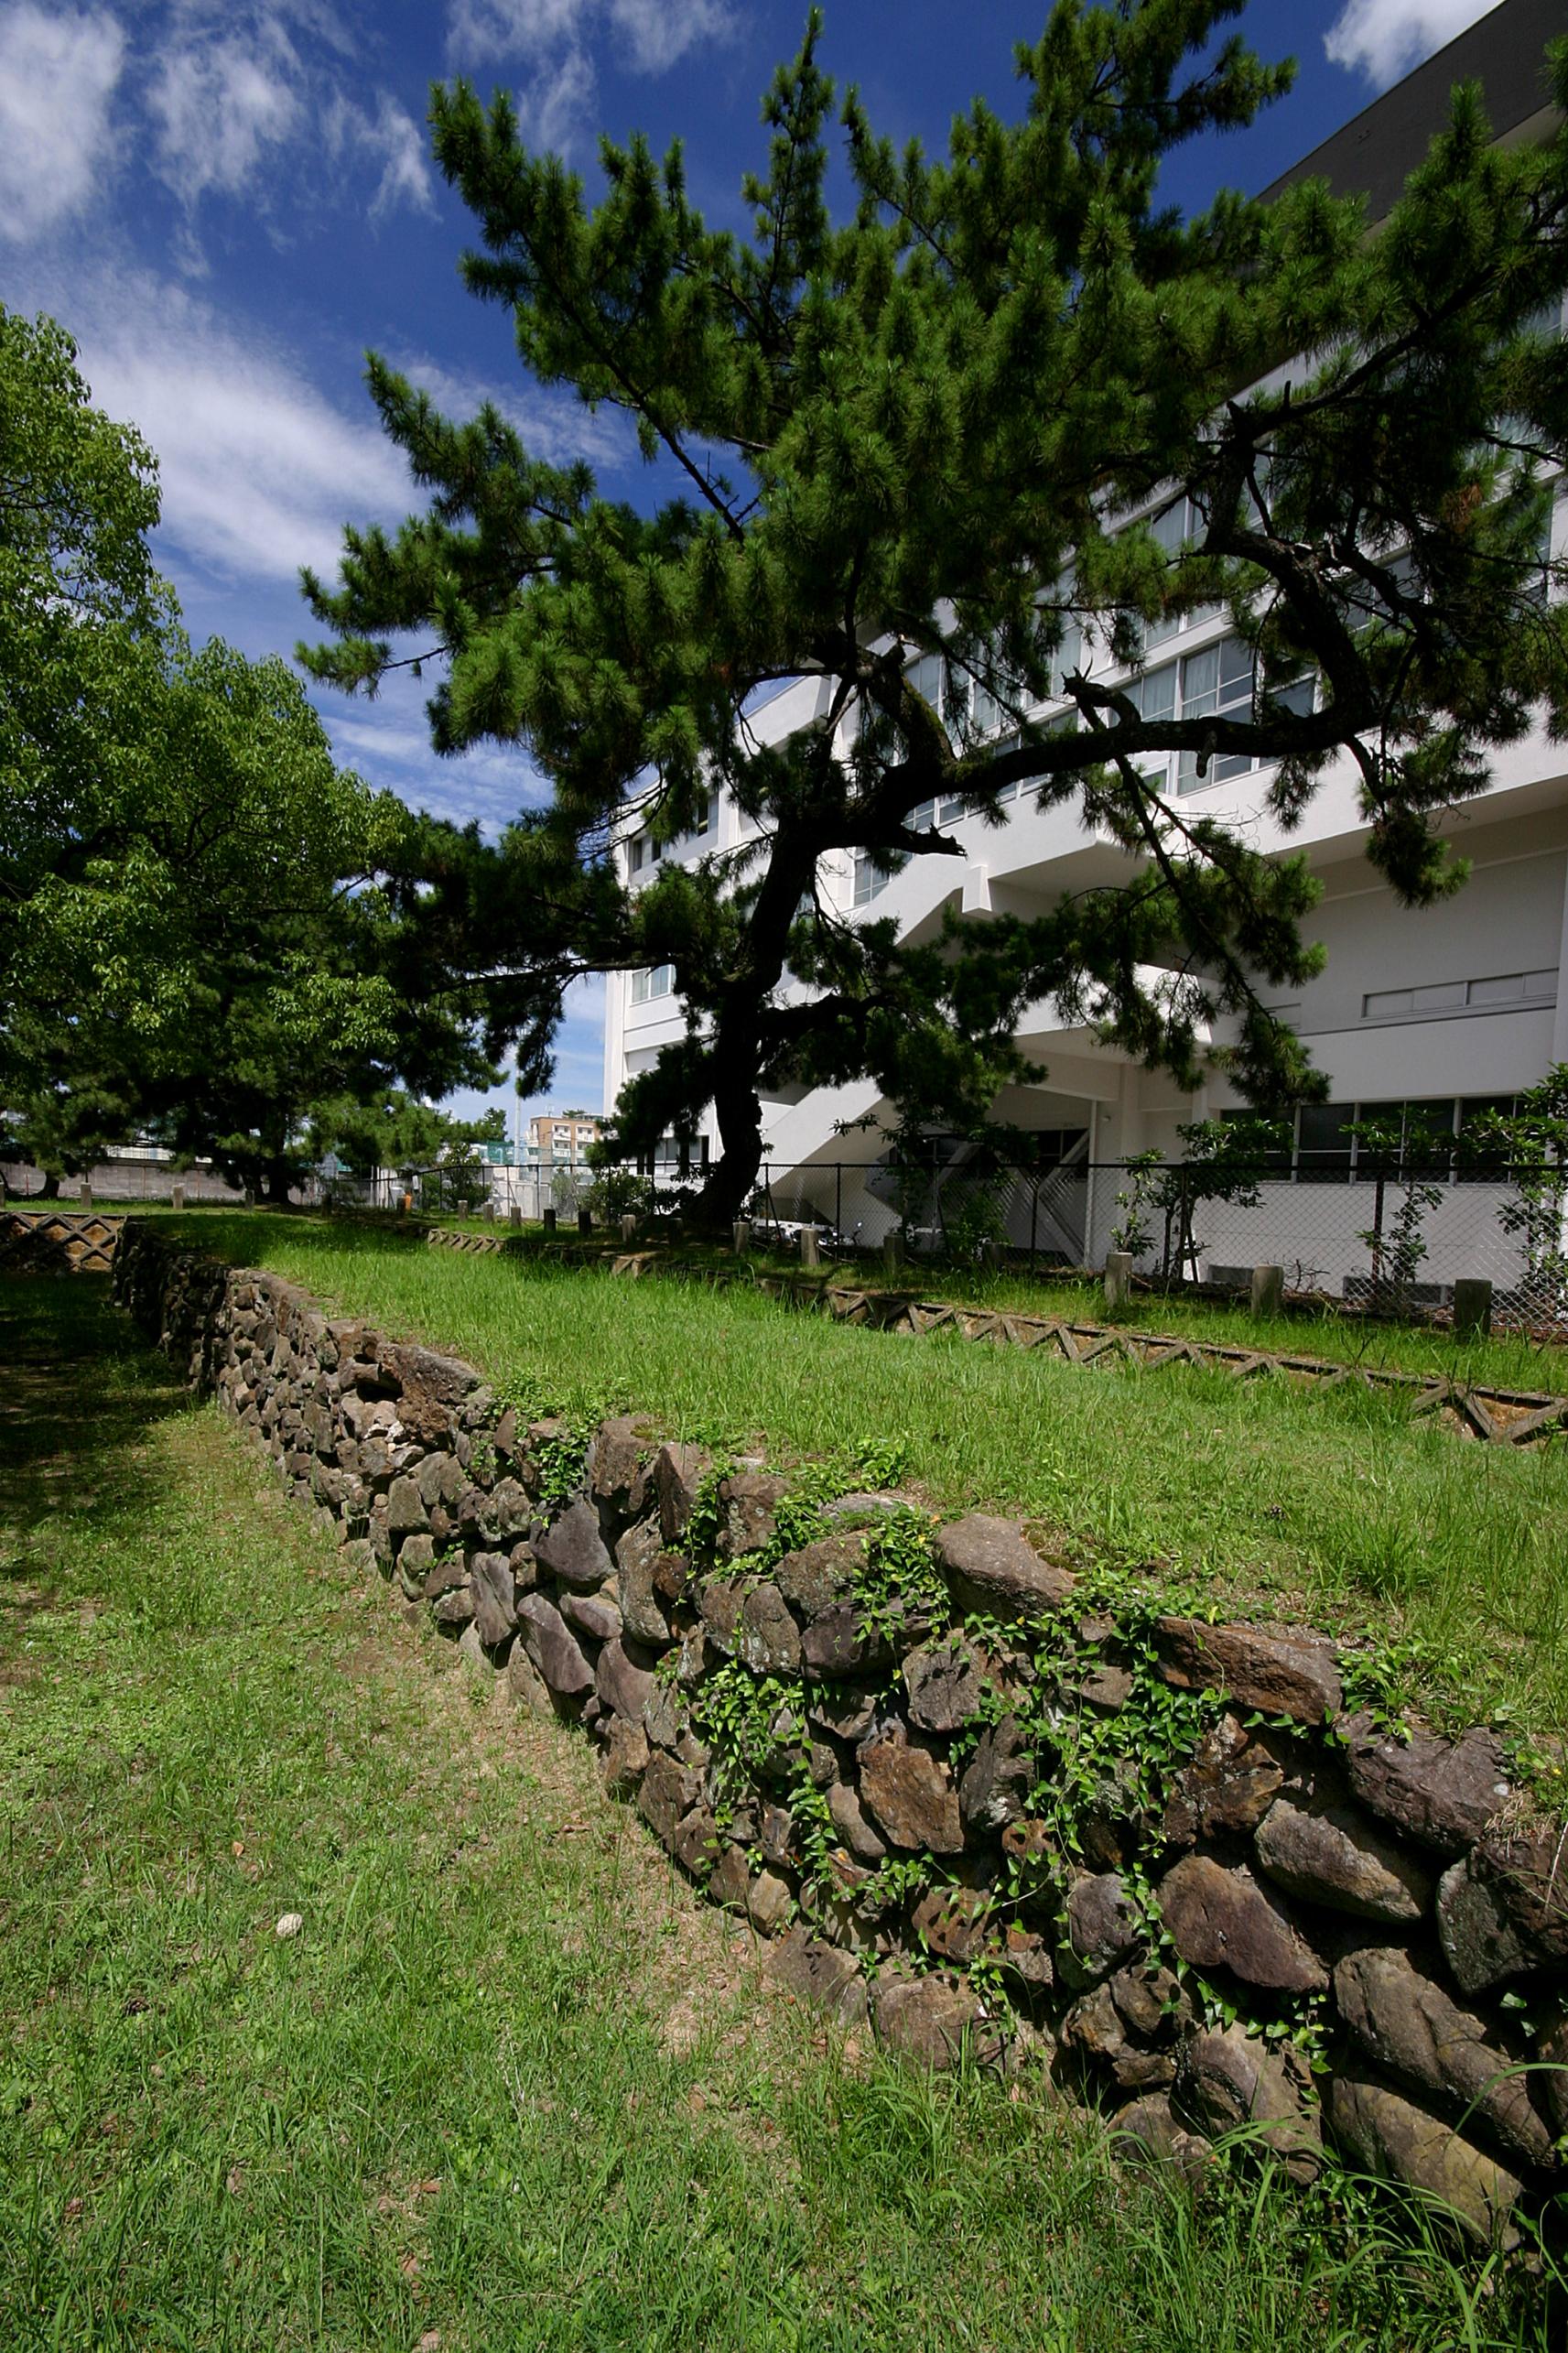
x: 220, y: 101
x: 391, y: 137
x: 552, y: 39
x: 1383, y: 38
x: 59, y: 71
x: 554, y: 426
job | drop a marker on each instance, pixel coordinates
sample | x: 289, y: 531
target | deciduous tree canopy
x: 1010, y: 408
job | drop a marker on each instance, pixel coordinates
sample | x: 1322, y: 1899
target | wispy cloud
x: 60, y: 69
x: 1383, y: 38
x: 554, y: 426
x: 554, y: 39
x: 222, y: 97
x: 389, y: 138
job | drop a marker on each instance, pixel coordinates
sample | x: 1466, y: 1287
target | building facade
x: 1433, y: 1015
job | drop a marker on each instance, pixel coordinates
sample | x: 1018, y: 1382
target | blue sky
x: 227, y: 201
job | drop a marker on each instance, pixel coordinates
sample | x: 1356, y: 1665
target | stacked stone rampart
x: 954, y: 1786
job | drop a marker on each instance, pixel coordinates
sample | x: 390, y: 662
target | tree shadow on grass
x: 79, y: 1393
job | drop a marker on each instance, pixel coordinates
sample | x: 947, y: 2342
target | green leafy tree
x: 201, y: 917
x: 1010, y: 405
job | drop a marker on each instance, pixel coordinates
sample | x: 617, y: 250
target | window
x: 657, y: 981
x: 1221, y: 680
x: 869, y: 878
x: 1497, y: 992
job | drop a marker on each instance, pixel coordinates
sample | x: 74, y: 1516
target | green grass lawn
x: 1328, y: 1504
x: 511, y: 2085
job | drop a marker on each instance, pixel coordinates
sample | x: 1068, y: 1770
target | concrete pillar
x: 1268, y: 1290
x: 629, y: 1228
x: 892, y: 1251
x: 810, y: 1251
x: 250, y: 1197
x: 514, y: 1218
x: 84, y: 1197
x: 1472, y: 1308
x: 177, y: 1196
x: 585, y: 1221
x: 549, y: 1217
x: 1117, y: 1278
x: 743, y: 1236
x: 990, y: 1254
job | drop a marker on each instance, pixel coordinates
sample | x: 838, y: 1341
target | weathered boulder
x: 572, y: 1548
x: 1103, y: 1926
x: 729, y: 1882
x: 1279, y: 1675
x: 1234, y: 1777
x: 622, y: 1679
x: 676, y: 1474
x: 406, y: 1512
x: 696, y: 1842
x: 441, y: 1480
x: 819, y: 1973
x: 617, y: 1464
x: 591, y: 1614
x: 625, y: 1757
x: 1025, y: 1960
x: 1149, y: 2132
x: 1151, y: 2000
x: 528, y: 1686
x: 1418, y: 2034
x: 848, y: 1715
x: 668, y: 1792
x: 816, y: 1576
x: 769, y: 1903
x: 838, y: 1643
x: 850, y: 1821
x: 944, y: 1680
x: 1387, y: 2135
x: 1331, y: 1855
x: 952, y: 1922
x: 494, y: 1590
x: 748, y: 1619
x: 910, y: 1792
x: 747, y: 1499
x: 1229, y: 2078
x: 991, y: 1568
x: 999, y: 1777
x: 552, y: 1646
x: 931, y: 2023
x: 1219, y: 1917
x: 1442, y: 1793
x: 637, y: 1557
x: 1503, y: 1912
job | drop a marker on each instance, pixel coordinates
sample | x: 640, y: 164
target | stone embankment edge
x: 1175, y: 1938
x: 1496, y: 1416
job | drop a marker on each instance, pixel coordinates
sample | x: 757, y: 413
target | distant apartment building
x: 560, y: 1139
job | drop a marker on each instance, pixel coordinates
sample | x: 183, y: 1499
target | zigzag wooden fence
x: 1499, y: 1416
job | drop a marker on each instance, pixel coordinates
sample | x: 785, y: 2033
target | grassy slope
x: 1332, y: 1503
x: 512, y: 2085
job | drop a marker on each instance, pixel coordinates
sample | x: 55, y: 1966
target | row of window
x: 643, y: 852
x: 655, y: 981
x: 1497, y: 992
x: 1323, y: 1147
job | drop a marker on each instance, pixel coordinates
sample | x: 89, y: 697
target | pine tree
x: 933, y: 428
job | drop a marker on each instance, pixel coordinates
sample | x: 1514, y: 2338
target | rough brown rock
x: 696, y: 1841
x: 999, y: 1778
x: 944, y: 1682
x: 616, y: 1467
x: 552, y: 1646
x: 821, y: 1974
x: 848, y: 1715
x: 1277, y: 1674
x: 1503, y: 1912
x: 1331, y: 1855
x: 1235, y: 1776
x: 592, y: 1615
x: 1151, y: 2001
x: 836, y: 1643
x: 1231, y: 2078
x: 1418, y: 2034
x: 748, y: 1619
x: 406, y: 1512
x: 928, y: 2021
x: 668, y: 1792
x: 1221, y: 1918
x: 952, y: 1922
x: 677, y: 1473
x: 1389, y: 2135
x: 637, y: 1559
x: 911, y: 1794
x: 572, y: 1548
x: 625, y: 1757
x: 622, y: 1682
x: 747, y: 1499
x: 1149, y: 2132
x: 817, y: 1576
x: 494, y: 1590
x: 1442, y: 1793
x: 1102, y: 1924
x: 850, y: 1821
x: 528, y: 1686
x: 993, y: 1569
x: 769, y: 1904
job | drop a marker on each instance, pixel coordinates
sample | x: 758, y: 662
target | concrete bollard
x: 1117, y: 1278
x: 177, y: 1196
x: 84, y: 1197
x: 585, y: 1221
x: 514, y: 1218
x: 810, y: 1249
x: 1472, y: 1308
x: 629, y: 1226
x: 892, y: 1251
x: 1268, y: 1290
x: 250, y: 1197
x: 990, y: 1254
x: 743, y: 1236
x: 549, y: 1220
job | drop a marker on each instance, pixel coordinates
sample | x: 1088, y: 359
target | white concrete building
x: 1445, y: 1011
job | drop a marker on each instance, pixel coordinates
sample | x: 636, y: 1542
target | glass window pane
x: 1322, y: 1138
x: 1156, y: 692
x: 1200, y: 681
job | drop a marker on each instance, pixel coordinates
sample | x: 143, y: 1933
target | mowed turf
x: 1325, y: 1503
x: 511, y: 2085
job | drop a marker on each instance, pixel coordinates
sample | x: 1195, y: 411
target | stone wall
x: 991, y: 1806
